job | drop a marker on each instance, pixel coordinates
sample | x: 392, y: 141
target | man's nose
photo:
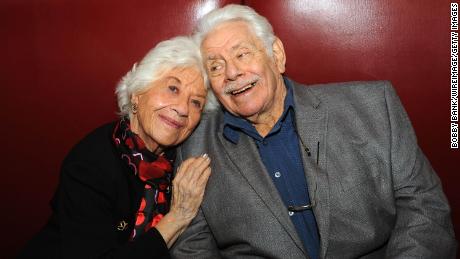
x: 232, y: 71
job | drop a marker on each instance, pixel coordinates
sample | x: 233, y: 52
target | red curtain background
x: 61, y: 60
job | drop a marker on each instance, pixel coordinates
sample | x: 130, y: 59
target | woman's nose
x: 182, y: 107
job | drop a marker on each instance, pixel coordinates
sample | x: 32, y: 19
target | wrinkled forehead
x: 228, y: 36
x: 183, y: 74
x: 189, y: 77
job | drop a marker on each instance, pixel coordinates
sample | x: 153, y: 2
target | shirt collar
x: 233, y: 125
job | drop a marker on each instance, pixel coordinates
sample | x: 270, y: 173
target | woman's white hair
x: 178, y: 52
x: 232, y: 12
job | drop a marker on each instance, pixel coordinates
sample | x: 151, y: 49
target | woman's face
x: 170, y: 110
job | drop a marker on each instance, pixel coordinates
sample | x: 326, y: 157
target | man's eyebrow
x: 239, y: 45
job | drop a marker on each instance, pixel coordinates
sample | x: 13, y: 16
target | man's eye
x: 196, y: 103
x: 173, y: 88
x: 243, y: 54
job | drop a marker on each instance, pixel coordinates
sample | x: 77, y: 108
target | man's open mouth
x: 244, y: 89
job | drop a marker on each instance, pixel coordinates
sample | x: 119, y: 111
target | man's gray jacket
x: 375, y: 194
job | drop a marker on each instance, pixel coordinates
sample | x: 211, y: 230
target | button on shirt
x: 280, y: 153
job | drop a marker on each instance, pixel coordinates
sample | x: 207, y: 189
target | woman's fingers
x: 198, y: 167
x: 184, y: 166
x: 192, y: 168
x: 203, y: 178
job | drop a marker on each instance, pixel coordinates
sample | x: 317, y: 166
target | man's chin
x: 247, y: 114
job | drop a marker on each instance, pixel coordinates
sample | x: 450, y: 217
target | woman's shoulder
x: 94, y: 161
x: 95, y: 150
x: 95, y: 142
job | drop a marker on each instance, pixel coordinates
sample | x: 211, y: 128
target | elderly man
x: 327, y: 171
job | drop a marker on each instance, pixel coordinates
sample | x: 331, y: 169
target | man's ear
x: 279, y: 55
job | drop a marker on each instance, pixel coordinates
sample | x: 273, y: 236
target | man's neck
x: 265, y: 121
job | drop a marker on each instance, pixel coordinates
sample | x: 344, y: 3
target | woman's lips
x: 171, y: 122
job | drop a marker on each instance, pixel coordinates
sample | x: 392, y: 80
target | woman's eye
x: 214, y: 68
x: 196, y: 103
x: 173, y: 88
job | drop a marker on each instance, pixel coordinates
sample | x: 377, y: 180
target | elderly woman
x: 116, y: 197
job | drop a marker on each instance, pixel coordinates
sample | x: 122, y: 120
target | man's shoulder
x: 210, y: 121
x: 345, y: 93
x: 205, y: 133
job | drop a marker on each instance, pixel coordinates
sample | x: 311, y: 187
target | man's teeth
x: 244, y: 88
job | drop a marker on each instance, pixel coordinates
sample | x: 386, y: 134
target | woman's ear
x: 279, y: 55
x: 134, y: 103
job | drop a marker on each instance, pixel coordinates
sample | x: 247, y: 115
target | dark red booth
x: 61, y: 60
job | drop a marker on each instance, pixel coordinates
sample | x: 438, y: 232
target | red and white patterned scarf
x: 154, y: 171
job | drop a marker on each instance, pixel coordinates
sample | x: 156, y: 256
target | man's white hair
x: 232, y: 12
x: 178, y: 52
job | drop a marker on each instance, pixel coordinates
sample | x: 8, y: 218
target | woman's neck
x: 150, y: 144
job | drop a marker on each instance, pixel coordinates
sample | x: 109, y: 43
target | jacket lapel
x: 311, y: 123
x: 246, y: 158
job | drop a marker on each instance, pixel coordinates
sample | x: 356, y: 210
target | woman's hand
x: 187, y: 193
x: 188, y: 187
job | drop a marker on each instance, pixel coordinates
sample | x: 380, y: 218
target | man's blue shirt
x: 280, y: 153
